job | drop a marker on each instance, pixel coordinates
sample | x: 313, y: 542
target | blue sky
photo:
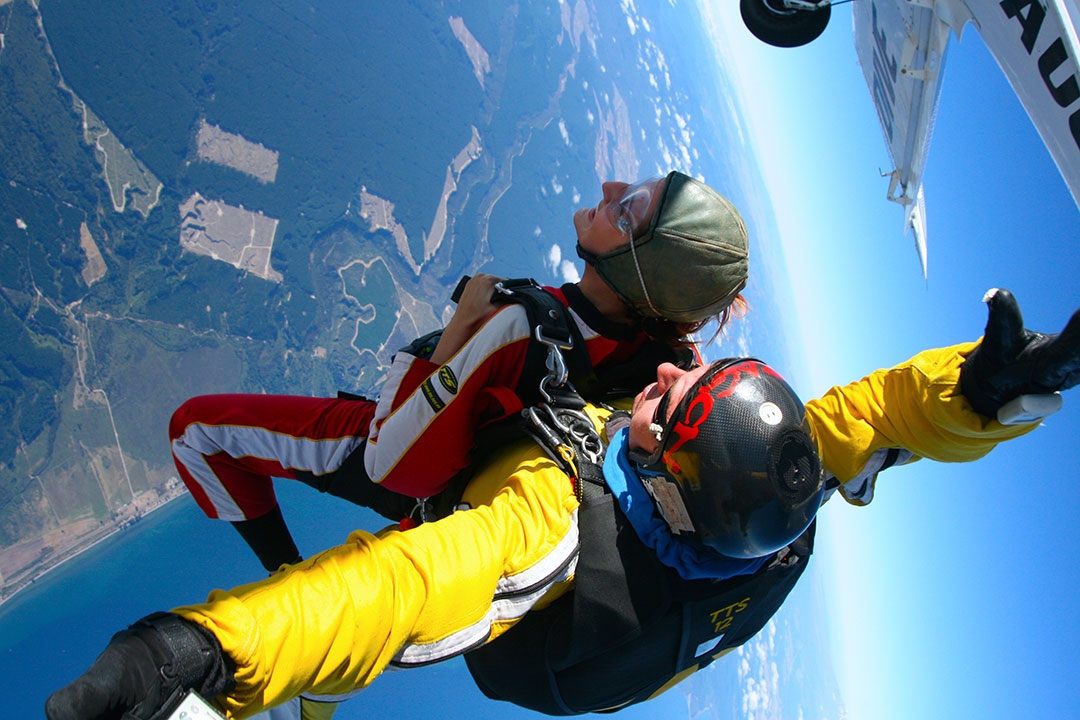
x: 951, y: 595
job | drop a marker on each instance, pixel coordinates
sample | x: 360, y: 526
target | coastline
x: 48, y: 559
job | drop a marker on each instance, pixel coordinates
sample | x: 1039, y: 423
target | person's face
x: 669, y: 379
x: 623, y: 212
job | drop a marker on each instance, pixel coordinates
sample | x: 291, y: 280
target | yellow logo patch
x: 446, y: 377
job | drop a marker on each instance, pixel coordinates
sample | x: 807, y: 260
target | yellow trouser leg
x: 332, y: 623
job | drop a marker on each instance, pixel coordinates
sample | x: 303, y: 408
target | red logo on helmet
x: 686, y: 428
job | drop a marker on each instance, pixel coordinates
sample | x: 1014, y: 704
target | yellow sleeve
x: 333, y: 623
x: 310, y: 710
x: 915, y: 406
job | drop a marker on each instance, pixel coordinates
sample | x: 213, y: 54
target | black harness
x: 631, y: 628
x: 557, y: 379
x: 556, y: 418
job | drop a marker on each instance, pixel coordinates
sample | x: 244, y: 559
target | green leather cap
x: 689, y: 264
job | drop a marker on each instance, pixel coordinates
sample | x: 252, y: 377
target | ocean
x: 53, y: 630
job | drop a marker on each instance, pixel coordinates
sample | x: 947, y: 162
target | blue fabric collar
x: 690, y: 561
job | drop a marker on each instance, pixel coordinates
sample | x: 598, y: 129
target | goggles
x: 660, y: 422
x: 631, y: 213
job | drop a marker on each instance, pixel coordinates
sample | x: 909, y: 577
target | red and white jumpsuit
x: 418, y: 435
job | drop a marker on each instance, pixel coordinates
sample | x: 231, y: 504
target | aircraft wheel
x: 772, y: 23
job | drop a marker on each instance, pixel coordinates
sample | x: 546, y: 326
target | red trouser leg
x: 228, y: 447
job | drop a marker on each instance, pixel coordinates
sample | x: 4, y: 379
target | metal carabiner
x: 588, y: 440
x: 557, y: 447
x: 577, y: 425
x: 555, y: 363
x: 552, y: 439
x: 555, y: 419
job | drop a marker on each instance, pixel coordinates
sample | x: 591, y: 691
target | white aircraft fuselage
x: 901, y: 45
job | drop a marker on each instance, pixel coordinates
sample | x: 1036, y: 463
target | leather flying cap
x: 691, y: 261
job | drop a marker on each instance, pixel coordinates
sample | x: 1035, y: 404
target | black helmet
x: 735, y: 470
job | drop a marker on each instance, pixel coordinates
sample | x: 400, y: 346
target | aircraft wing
x: 901, y: 47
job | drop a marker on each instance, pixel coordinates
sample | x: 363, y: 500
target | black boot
x: 270, y: 538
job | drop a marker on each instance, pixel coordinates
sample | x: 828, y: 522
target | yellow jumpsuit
x: 333, y: 623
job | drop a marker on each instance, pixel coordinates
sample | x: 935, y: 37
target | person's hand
x: 1012, y: 361
x: 144, y: 672
x: 473, y: 307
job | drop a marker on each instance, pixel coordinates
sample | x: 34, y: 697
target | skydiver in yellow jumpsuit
x: 333, y: 623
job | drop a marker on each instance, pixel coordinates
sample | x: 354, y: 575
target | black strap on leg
x: 351, y: 482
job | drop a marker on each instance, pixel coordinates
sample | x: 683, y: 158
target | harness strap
x: 557, y: 347
x: 557, y: 422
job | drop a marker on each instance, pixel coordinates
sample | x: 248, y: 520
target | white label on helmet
x: 770, y: 414
x: 667, y: 498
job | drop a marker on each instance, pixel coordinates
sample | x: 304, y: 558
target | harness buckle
x: 564, y: 429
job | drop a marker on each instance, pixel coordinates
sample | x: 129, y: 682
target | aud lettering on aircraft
x: 1031, y: 14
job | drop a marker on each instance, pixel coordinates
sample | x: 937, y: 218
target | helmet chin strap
x: 641, y: 278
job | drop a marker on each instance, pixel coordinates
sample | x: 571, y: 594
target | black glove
x: 1011, y: 361
x: 144, y: 672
